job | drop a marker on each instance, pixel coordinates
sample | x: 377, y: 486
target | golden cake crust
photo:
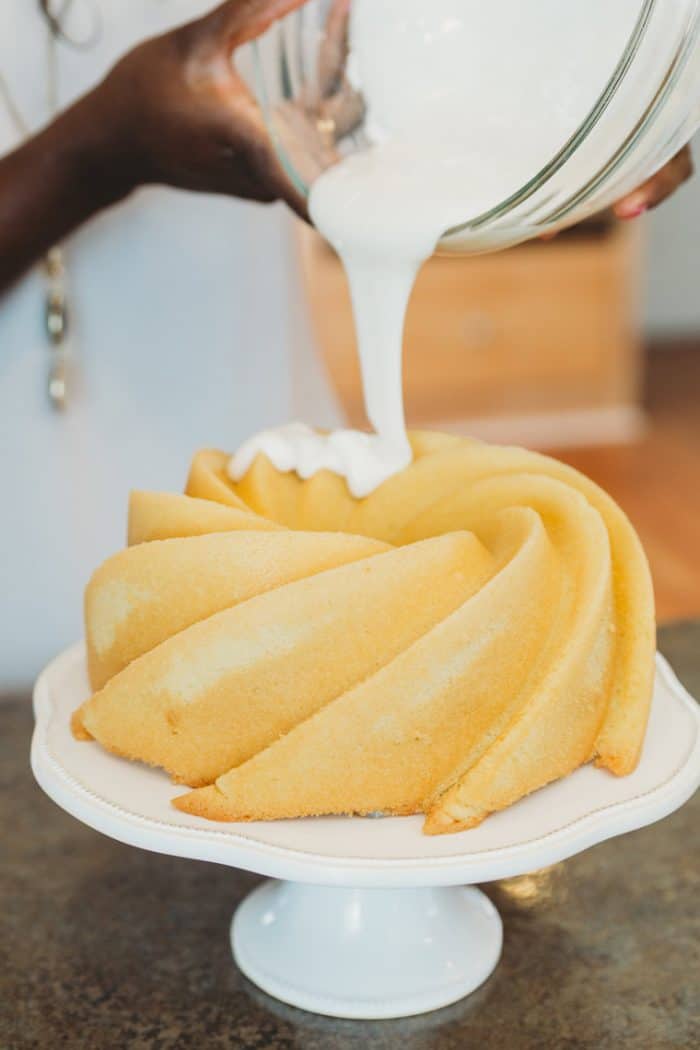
x: 480, y: 625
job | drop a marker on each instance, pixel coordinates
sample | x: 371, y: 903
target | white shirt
x: 186, y: 319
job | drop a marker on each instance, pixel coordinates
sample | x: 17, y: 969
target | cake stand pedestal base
x: 366, y: 953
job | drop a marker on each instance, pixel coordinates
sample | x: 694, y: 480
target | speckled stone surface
x: 104, y: 946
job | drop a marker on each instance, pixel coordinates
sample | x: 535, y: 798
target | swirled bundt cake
x: 481, y: 625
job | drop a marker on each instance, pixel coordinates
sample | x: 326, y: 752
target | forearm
x: 55, y: 182
x: 173, y: 111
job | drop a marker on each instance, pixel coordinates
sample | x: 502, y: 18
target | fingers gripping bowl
x: 479, y: 626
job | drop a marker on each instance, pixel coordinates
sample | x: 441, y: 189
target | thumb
x: 237, y: 22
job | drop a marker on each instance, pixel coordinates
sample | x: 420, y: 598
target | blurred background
x: 195, y: 321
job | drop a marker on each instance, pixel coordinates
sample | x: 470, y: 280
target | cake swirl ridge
x: 481, y: 624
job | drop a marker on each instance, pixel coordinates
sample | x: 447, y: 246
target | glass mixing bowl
x: 647, y: 110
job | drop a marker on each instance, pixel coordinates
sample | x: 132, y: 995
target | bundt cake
x: 480, y: 625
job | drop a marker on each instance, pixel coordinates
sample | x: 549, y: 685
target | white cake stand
x: 372, y: 918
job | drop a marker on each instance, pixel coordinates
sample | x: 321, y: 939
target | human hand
x: 658, y: 188
x: 175, y: 110
x: 653, y: 192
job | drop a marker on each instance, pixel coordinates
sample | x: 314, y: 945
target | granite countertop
x: 105, y: 946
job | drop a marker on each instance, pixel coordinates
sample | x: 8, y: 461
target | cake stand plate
x: 371, y: 919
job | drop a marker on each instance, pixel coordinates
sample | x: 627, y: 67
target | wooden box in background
x: 539, y: 344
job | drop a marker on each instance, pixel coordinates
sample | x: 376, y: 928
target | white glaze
x: 465, y: 103
x: 364, y: 460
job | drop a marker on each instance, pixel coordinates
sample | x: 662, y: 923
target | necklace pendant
x: 57, y: 387
x: 56, y: 324
x: 59, y: 376
x: 56, y: 312
x: 57, y: 332
x: 56, y: 318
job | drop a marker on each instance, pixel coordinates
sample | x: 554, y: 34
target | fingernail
x: 631, y: 211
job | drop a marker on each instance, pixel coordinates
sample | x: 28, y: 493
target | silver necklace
x: 56, y: 310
